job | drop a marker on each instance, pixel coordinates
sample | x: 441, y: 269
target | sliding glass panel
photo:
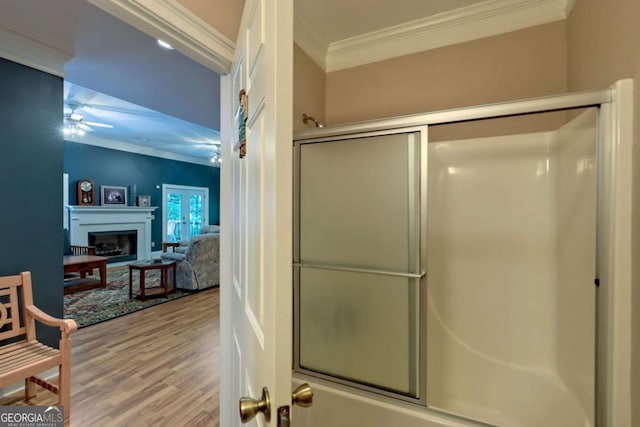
x: 358, y: 261
x: 357, y: 202
x: 360, y: 327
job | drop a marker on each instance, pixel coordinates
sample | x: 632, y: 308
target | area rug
x: 100, y: 304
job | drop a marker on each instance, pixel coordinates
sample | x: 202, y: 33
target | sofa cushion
x: 173, y: 256
x: 199, y: 266
x: 205, y: 229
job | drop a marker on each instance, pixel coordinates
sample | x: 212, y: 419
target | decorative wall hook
x: 243, y: 113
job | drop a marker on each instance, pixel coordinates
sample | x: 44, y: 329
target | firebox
x: 118, y: 246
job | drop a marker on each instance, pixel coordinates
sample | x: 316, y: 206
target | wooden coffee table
x: 143, y: 267
x: 84, y: 264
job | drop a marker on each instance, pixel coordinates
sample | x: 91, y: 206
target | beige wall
x: 521, y: 64
x: 308, y: 88
x: 223, y: 15
x: 603, y: 38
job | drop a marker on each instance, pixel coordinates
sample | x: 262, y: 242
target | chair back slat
x: 11, y: 324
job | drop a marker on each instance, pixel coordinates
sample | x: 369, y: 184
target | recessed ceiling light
x: 164, y: 44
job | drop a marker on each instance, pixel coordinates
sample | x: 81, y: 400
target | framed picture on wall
x: 111, y: 195
x: 144, y: 200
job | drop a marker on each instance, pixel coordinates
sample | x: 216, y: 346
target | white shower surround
x: 86, y: 219
x: 615, y: 126
x: 511, y: 277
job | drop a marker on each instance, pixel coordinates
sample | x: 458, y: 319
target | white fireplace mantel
x: 86, y: 219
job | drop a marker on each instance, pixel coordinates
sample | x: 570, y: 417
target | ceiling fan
x: 76, y: 125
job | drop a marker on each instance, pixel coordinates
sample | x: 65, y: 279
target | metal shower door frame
x: 613, y: 223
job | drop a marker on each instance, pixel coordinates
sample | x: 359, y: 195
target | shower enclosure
x: 461, y: 263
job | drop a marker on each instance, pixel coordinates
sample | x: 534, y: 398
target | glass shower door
x: 357, y: 263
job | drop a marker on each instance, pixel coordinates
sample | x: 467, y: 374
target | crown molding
x: 31, y: 53
x: 308, y: 39
x: 177, y: 25
x: 137, y: 149
x: 489, y: 18
x: 484, y: 19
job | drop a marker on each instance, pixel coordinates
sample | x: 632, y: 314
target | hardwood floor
x: 155, y: 367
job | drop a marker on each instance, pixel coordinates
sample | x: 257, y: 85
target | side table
x: 167, y: 245
x: 143, y: 267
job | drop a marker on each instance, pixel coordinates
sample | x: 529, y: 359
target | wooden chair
x: 27, y: 357
x: 80, y: 250
x: 83, y: 250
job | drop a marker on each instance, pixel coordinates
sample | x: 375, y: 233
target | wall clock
x: 86, y: 192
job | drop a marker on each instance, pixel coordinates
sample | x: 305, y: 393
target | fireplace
x: 109, y: 220
x: 118, y: 246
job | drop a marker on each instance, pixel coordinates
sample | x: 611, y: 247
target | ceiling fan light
x: 165, y: 45
x: 216, y: 159
x: 73, y: 129
x: 76, y: 116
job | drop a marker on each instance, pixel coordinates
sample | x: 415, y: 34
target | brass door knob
x: 249, y: 407
x: 302, y: 396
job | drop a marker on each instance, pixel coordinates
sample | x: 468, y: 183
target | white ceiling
x: 159, y: 101
x: 152, y: 132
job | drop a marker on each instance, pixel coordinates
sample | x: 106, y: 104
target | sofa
x: 198, y: 260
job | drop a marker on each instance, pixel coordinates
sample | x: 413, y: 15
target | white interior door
x: 256, y: 214
x: 185, y: 211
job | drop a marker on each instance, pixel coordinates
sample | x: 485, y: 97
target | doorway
x: 185, y: 210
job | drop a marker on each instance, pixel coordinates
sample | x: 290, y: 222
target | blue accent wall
x: 140, y: 173
x: 31, y: 184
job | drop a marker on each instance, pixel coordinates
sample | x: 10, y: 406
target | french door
x: 185, y: 211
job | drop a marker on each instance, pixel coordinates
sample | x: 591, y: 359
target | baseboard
x: 19, y: 386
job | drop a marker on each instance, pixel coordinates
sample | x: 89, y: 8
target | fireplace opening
x: 117, y: 246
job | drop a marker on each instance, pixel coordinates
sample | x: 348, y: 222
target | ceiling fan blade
x: 84, y: 127
x: 100, y: 125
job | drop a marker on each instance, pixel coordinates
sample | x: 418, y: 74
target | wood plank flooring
x: 155, y: 367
